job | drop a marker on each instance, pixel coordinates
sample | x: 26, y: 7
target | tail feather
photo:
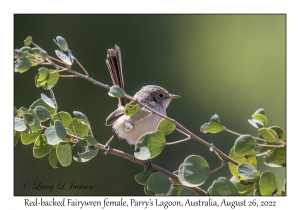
x: 114, y: 65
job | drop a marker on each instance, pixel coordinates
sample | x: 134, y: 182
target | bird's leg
x: 107, y: 145
x: 147, y: 164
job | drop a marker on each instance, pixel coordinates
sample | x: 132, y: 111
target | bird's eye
x: 161, y: 95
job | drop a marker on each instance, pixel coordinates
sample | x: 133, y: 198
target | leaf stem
x: 177, y: 142
x: 221, y: 166
x: 77, y: 61
x: 271, y: 145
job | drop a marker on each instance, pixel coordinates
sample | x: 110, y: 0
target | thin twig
x: 68, y: 75
x: 77, y: 61
x: 179, y: 141
x: 271, y: 145
x: 221, y: 166
x: 238, y: 134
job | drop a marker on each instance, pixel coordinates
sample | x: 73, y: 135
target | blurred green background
x: 230, y: 65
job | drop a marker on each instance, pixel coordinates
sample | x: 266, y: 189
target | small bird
x: 131, y: 128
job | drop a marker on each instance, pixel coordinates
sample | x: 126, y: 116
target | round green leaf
x: 19, y: 124
x: 51, y: 136
x: 256, y: 123
x: 64, y: 117
x: 280, y: 132
x: 41, y: 148
x: 143, y: 177
x: 213, y: 126
x: 268, y: 183
x: 166, y: 126
x: 159, y: 183
x: 150, y: 144
x: 48, y: 100
x: 64, y: 154
x: 60, y: 130
x: 23, y: 52
x: 31, y: 121
x: 42, y: 113
x: 28, y: 41
x: 81, y: 117
x: 268, y: 134
x: 22, y: 65
x: 187, y: 192
x: 53, y: 157
x: 40, y: 102
x: 62, y: 56
x: 261, y: 118
x: 62, y: 43
x: 78, y: 129
x: 51, y: 80
x: 276, y: 157
x: 36, y: 50
x: 148, y: 192
x: 193, y: 171
x: 131, y: 108
x: 244, y: 145
x: 250, y: 158
x: 261, y: 149
x: 247, y: 171
x: 27, y: 139
x: 260, y: 111
x: 175, y: 190
x: 223, y: 187
x: 90, y: 149
x: 244, y: 189
x: 116, y: 91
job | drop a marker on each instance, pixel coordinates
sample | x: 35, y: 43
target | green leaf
x: 244, y: 145
x: 116, y: 91
x: 90, y: 149
x: 48, y: 100
x: 148, y: 192
x: 247, y: 171
x: 78, y: 129
x: 143, y: 177
x: 43, y: 56
x: 64, y: 154
x: 268, y: 134
x: 150, y: 145
x: 261, y: 118
x: 131, y: 108
x: 276, y: 157
x: 175, y: 190
x: 23, y: 52
x: 166, y: 126
x: 46, y: 78
x: 51, y: 136
x: 28, y: 41
x: 31, y: 121
x: 193, y: 171
x: 64, y: 117
x: 52, y: 79
x: 223, y: 187
x: 81, y: 117
x: 52, y: 157
x: 280, y: 132
x: 19, y: 124
x: 173, y: 181
x: 187, y: 192
x: 213, y: 126
x: 60, y: 130
x: 61, y: 42
x: 27, y: 139
x: 261, y: 149
x: 159, y: 183
x: 40, y: 102
x: 41, y: 148
x: 42, y: 113
x: 250, y: 158
x: 35, y: 50
x: 17, y: 136
x: 22, y: 65
x: 62, y: 56
x: 244, y: 189
x: 256, y: 123
x: 260, y: 111
x: 268, y: 183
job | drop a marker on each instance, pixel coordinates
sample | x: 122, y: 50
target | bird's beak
x: 174, y: 96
